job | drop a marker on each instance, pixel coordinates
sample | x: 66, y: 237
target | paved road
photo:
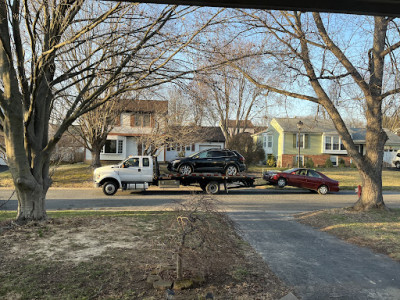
x: 316, y: 264
x: 288, y: 200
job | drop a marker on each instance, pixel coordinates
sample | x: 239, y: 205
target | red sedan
x: 303, y: 178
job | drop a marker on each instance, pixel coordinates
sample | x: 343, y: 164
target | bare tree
x: 314, y: 58
x: 37, y: 38
x: 226, y: 95
x: 95, y: 125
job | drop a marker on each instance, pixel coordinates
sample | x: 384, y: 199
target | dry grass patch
x: 107, y: 255
x: 378, y: 230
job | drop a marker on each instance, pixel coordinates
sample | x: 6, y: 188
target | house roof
x: 327, y: 127
x: 144, y: 105
x: 242, y: 123
x: 359, y: 134
x: 211, y: 134
x: 197, y: 134
x: 309, y: 125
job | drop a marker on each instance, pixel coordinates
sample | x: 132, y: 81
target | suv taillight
x: 242, y: 159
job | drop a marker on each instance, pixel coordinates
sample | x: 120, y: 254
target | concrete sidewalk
x: 318, y: 265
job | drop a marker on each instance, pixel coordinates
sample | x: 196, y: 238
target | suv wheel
x: 185, y: 169
x: 231, y: 170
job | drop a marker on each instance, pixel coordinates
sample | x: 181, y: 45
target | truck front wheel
x: 212, y: 187
x: 110, y: 188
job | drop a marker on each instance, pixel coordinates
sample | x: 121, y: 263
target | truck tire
x: 110, y: 187
x: 398, y: 165
x: 212, y: 187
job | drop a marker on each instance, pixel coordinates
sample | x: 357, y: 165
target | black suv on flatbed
x: 226, y: 161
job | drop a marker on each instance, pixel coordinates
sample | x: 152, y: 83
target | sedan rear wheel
x: 323, y: 190
x: 281, y: 182
x: 185, y: 169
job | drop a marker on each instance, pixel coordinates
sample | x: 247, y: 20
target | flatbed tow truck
x: 139, y: 172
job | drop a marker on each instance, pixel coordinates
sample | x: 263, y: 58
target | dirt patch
x: 378, y: 230
x: 111, y: 257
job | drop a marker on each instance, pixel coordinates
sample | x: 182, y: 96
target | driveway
x: 318, y: 265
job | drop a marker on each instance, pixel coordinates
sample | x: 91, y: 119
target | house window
x: 328, y: 143
x: 267, y: 141
x: 270, y: 139
x: 334, y: 160
x: 335, y: 143
x: 301, y: 160
x: 141, y: 120
x: 146, y: 120
x: 120, y: 146
x: 302, y: 137
x: 113, y: 147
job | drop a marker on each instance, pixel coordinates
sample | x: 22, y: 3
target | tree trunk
x: 31, y: 204
x: 371, y: 195
x: 95, y: 158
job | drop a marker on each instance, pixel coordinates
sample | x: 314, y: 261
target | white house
x: 202, y: 138
x: 137, y: 120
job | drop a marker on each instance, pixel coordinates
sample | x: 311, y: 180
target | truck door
x: 136, y: 169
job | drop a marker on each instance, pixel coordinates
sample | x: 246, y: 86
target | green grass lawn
x: 80, y: 176
x: 376, y: 229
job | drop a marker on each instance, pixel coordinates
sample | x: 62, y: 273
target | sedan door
x: 298, y: 178
x: 314, y: 180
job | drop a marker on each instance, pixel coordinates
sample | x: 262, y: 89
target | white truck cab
x: 133, y: 173
x: 396, y: 160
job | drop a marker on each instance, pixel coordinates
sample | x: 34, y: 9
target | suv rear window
x: 215, y: 154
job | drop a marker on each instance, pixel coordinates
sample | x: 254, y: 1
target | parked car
x: 226, y: 161
x: 303, y: 178
x: 396, y: 160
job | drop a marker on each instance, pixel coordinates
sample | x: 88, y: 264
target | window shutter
x: 294, y: 140
x: 152, y: 121
x: 306, y: 139
x: 132, y: 120
x: 118, y: 121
